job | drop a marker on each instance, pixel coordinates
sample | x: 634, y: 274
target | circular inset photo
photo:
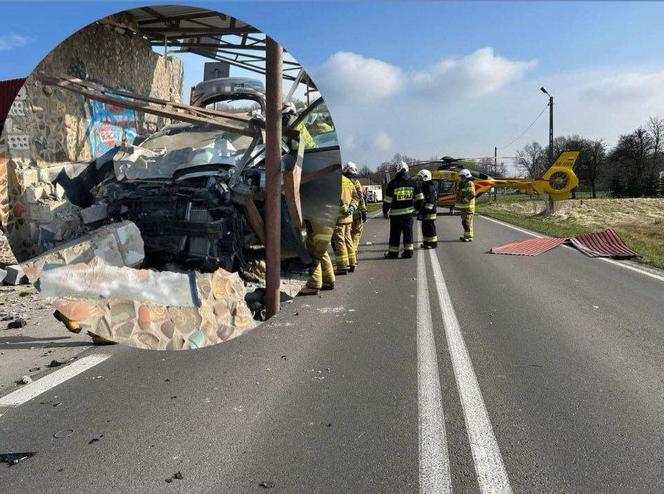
x: 168, y: 177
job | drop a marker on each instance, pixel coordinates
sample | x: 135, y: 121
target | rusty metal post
x: 273, y: 76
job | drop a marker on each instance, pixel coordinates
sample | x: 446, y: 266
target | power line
x: 527, y: 129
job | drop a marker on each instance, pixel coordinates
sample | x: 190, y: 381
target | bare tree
x: 364, y: 171
x: 656, y: 131
x: 632, y: 156
x: 532, y: 159
x: 592, y: 162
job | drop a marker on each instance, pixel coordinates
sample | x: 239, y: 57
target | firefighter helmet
x: 425, y: 175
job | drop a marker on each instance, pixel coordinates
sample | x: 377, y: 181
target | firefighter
x: 428, y: 213
x: 322, y: 276
x: 342, y: 241
x: 360, y: 216
x: 465, y: 203
x: 402, y: 198
x: 288, y: 116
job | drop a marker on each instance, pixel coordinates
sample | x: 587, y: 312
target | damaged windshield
x: 319, y: 125
x: 181, y: 146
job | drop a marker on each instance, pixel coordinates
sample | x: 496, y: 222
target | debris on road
x: 175, y: 476
x: 95, y: 439
x: 12, y: 459
x: 63, y: 433
x: 528, y: 247
x: 605, y: 243
x: 17, y: 324
x: 266, y: 485
x: 55, y: 363
x: 25, y: 380
x: 15, y: 275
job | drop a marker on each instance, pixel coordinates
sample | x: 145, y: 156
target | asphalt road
x: 457, y: 369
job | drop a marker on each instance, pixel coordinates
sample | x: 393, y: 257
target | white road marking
x: 522, y: 230
x: 491, y: 473
x: 374, y: 215
x: 434, y: 459
x: 42, y: 385
x: 605, y: 259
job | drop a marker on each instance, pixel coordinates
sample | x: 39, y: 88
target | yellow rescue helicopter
x: 556, y: 182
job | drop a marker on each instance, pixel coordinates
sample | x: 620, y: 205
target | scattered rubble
x: 15, y: 275
x: 6, y: 254
x: 94, y: 213
x: 176, y: 476
x: 12, y: 459
x: 95, y: 439
x: 119, y: 244
x: 25, y: 380
x: 17, y: 324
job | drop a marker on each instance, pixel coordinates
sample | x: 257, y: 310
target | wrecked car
x: 196, y: 190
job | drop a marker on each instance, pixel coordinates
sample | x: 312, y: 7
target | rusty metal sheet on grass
x: 528, y: 247
x: 606, y: 243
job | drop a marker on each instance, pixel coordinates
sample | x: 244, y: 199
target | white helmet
x: 424, y: 175
x: 465, y: 173
x: 402, y: 166
x: 351, y: 168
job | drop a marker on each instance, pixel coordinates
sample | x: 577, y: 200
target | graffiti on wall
x: 110, y: 126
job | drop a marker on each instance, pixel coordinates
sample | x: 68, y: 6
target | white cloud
x: 11, y: 41
x: 475, y: 75
x: 381, y: 141
x: 465, y: 106
x: 356, y: 79
x: 620, y: 87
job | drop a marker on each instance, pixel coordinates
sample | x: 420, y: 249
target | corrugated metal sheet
x: 606, y: 243
x: 529, y: 247
x: 8, y: 91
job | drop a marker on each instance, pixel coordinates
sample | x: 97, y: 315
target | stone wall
x: 47, y: 128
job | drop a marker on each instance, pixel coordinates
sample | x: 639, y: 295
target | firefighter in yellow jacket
x: 465, y: 203
x: 360, y: 215
x: 322, y: 276
x: 342, y: 241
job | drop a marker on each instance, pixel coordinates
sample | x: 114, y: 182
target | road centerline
x: 491, y: 473
x: 434, y: 460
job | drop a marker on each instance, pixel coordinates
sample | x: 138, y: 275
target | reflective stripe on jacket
x: 349, y: 198
x: 430, y: 198
x: 402, y: 196
x: 466, y: 196
x: 362, y: 206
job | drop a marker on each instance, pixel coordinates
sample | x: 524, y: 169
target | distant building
x: 372, y: 192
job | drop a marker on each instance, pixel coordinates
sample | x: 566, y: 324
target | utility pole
x: 549, y: 202
x: 550, y: 124
x: 495, y: 170
x: 273, y: 130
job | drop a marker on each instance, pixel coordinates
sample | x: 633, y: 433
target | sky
x: 430, y: 78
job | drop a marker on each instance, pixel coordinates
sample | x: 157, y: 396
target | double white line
x: 434, y: 457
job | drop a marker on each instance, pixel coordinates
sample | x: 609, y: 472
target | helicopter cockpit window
x: 446, y: 187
